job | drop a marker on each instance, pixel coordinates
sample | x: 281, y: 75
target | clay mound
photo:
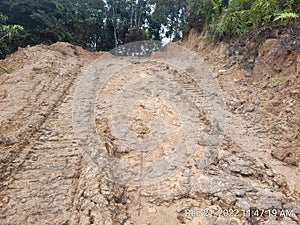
x: 59, y: 51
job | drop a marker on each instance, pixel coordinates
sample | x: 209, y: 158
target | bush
x: 242, y: 16
x: 235, y: 18
x: 9, y: 36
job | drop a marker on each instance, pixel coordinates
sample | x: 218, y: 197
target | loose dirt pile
x: 250, y: 176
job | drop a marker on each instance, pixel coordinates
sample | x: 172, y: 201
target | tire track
x: 29, y: 133
x: 43, y: 176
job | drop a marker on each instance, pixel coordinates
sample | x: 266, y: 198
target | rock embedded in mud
x: 279, y: 153
x: 7, y: 141
x: 222, y: 72
x: 249, y: 107
x: 202, y: 164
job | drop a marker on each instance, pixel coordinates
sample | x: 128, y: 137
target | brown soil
x: 45, y: 177
x: 268, y: 94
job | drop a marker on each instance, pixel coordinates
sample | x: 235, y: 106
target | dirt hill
x: 90, y: 138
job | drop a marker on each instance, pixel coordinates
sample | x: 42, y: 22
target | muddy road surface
x: 91, y: 138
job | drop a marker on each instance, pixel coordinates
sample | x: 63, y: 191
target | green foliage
x: 235, y: 18
x: 199, y: 14
x: 104, y: 24
x: 49, y: 21
x: 232, y: 23
x: 170, y: 15
x: 10, y: 36
x: 262, y: 11
x: 5, y: 70
x: 286, y: 16
x: 10, y: 30
x: 246, y: 15
x: 205, y: 13
x: 92, y: 24
x: 215, y: 6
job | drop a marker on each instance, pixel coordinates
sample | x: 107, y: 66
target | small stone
x: 202, y: 164
x: 145, y: 194
x: 5, y: 199
x: 23, y: 200
x: 289, y: 110
x: 221, y: 72
x: 7, y: 141
x: 180, y: 209
x: 251, y: 60
x: 294, y: 93
x: 291, y: 102
x: 249, y: 108
x: 152, y: 210
x: 127, y: 222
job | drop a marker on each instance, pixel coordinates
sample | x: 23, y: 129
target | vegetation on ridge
x: 104, y: 24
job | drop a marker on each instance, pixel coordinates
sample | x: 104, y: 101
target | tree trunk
x: 131, y: 16
x: 176, y: 29
x: 115, y: 25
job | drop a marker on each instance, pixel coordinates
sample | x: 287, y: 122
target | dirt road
x: 97, y: 139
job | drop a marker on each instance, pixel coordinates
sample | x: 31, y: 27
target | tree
x: 9, y: 36
x: 93, y: 24
x: 170, y: 15
x: 48, y: 21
